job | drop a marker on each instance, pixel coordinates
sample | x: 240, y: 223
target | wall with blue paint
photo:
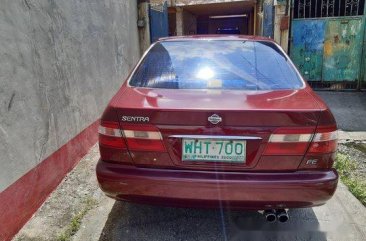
x: 158, y: 22
x: 307, y: 47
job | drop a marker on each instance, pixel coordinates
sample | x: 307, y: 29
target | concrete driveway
x: 349, y: 108
x: 343, y: 218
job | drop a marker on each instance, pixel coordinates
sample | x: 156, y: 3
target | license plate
x: 214, y: 150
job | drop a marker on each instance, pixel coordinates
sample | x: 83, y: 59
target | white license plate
x: 214, y: 150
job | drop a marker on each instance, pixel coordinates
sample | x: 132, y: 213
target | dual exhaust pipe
x: 272, y: 215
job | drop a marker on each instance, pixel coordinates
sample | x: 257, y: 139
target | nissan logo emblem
x: 214, y: 119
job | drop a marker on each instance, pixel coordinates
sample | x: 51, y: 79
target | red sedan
x: 218, y: 121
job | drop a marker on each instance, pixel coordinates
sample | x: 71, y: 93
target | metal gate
x: 343, y: 50
x: 158, y: 14
x: 328, y: 42
x: 307, y: 47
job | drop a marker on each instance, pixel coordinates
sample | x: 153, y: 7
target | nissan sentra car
x: 218, y: 122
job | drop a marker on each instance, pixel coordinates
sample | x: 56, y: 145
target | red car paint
x: 275, y: 174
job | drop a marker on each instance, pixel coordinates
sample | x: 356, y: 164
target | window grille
x: 327, y: 8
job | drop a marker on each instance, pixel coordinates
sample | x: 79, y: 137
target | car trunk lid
x: 247, y: 116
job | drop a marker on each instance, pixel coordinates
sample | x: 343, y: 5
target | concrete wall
x: 280, y: 36
x: 144, y: 31
x: 258, y: 19
x: 179, y: 22
x: 185, y: 22
x: 190, y: 23
x: 60, y: 63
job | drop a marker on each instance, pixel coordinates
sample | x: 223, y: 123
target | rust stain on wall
x: 328, y: 48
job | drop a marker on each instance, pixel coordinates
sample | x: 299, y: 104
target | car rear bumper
x: 237, y: 190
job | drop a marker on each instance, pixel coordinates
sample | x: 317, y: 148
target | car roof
x: 216, y: 37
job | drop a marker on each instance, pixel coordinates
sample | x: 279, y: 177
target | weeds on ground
x: 346, y: 168
x: 75, y: 222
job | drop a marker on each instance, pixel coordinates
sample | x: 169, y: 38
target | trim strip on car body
x: 216, y: 137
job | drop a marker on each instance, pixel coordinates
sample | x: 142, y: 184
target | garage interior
x: 214, y: 18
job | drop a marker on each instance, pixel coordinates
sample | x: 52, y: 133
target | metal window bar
x: 351, y: 7
x: 300, y: 8
x: 315, y: 8
x: 321, y: 9
x: 356, y: 3
x: 327, y: 8
x: 309, y: 5
x: 305, y: 10
x: 339, y: 7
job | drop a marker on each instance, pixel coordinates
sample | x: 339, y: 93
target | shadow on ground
x: 141, y: 222
x: 348, y: 108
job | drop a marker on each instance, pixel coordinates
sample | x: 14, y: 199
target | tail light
x: 322, y: 150
x: 115, y: 144
x: 112, y: 145
x: 289, y: 141
x: 326, y: 136
x: 324, y: 141
x: 299, y: 141
x: 143, y: 138
x: 131, y: 137
x: 318, y: 146
x: 110, y: 135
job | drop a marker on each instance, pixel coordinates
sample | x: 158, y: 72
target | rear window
x: 207, y: 64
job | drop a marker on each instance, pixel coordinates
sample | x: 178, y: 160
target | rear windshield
x: 204, y: 64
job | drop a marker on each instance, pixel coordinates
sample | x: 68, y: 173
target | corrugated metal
x: 343, y: 49
x: 307, y: 47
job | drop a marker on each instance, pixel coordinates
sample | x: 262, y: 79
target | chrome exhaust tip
x: 282, y: 215
x: 270, y: 215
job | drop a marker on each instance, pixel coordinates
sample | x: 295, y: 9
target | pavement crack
x: 27, y: 4
x: 11, y: 101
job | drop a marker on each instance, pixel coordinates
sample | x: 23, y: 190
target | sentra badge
x: 135, y: 118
